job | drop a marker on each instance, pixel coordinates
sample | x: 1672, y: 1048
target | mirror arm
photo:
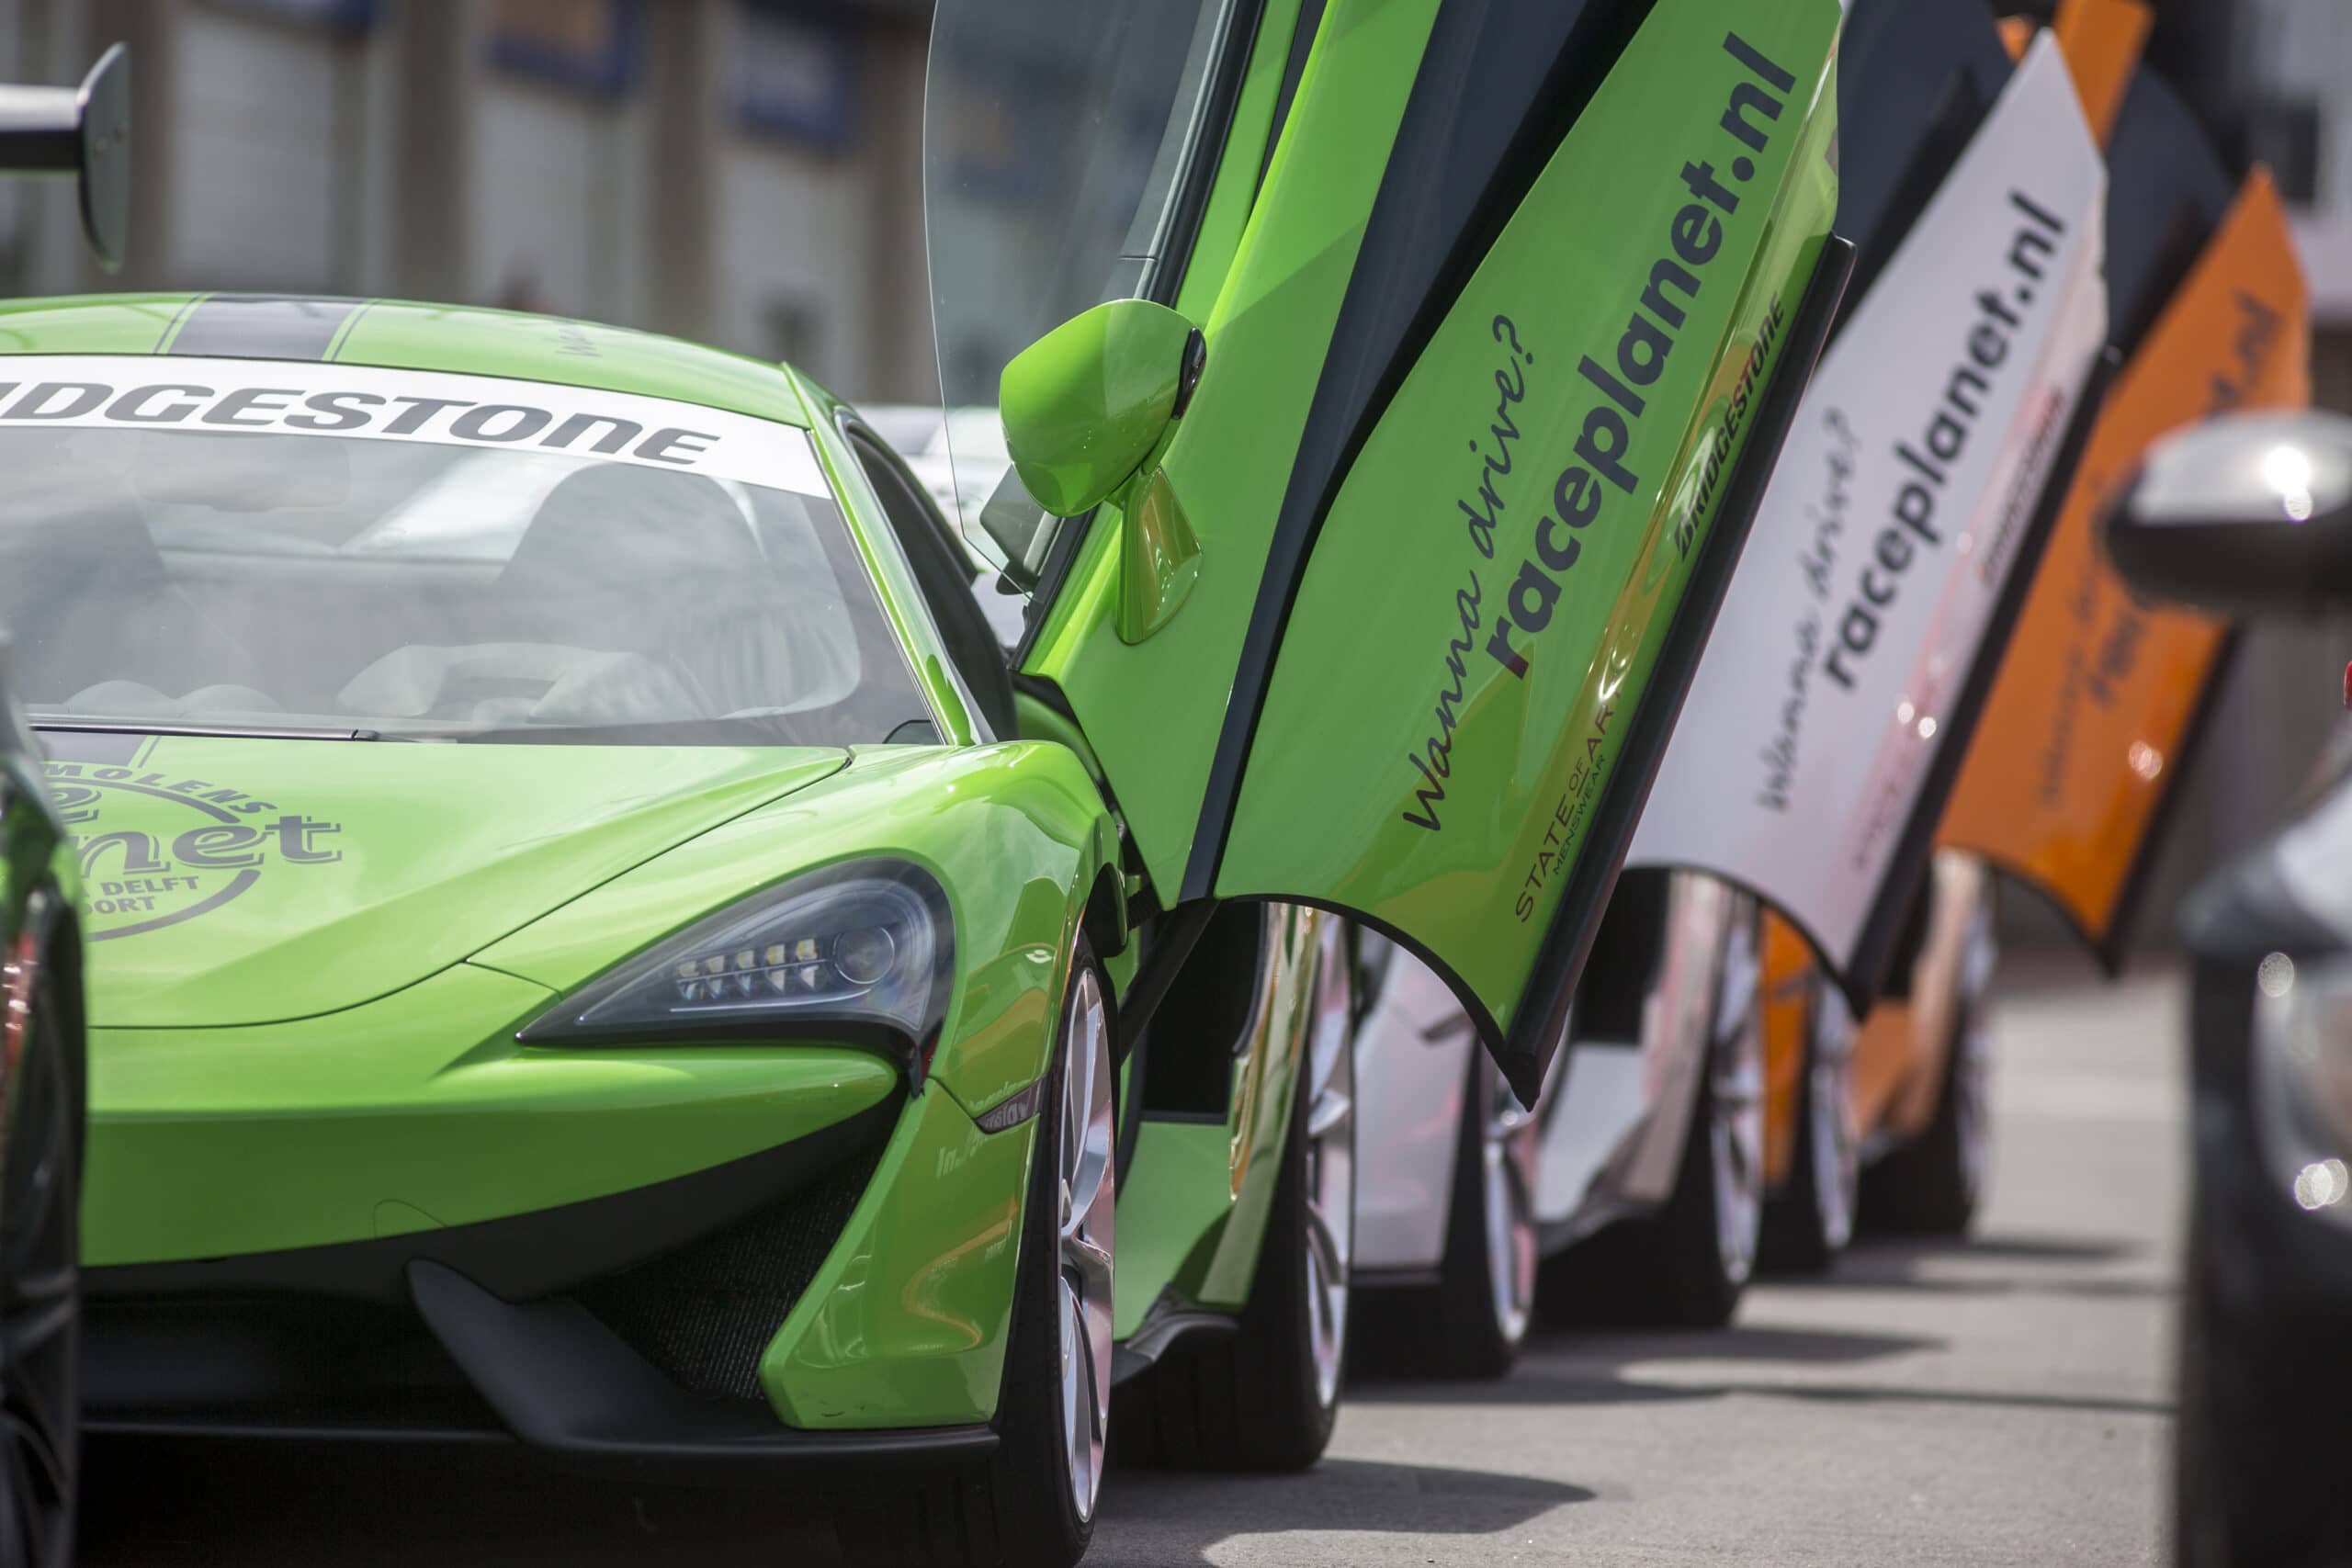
x: 1159, y: 556
x: 40, y: 130
x: 1188, y: 379
x: 83, y: 132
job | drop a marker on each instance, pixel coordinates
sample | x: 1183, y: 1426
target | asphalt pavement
x: 2007, y: 1401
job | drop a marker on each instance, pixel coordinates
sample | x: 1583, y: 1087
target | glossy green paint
x: 1193, y: 1213
x: 1517, y: 773
x: 416, y: 1110
x: 1160, y: 556
x: 1087, y: 404
x: 420, y: 1108
x: 905, y: 1325
x: 1321, y: 811
x: 1233, y: 192
x: 89, y: 323
x: 1040, y: 722
x: 1015, y: 833
x: 1091, y: 589
x: 1152, y: 710
x: 1175, y: 1201
x: 902, y: 599
x: 239, y: 881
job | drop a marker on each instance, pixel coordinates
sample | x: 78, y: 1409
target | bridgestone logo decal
x: 289, y: 398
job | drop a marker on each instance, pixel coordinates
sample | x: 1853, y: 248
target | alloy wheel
x: 1088, y: 1213
x: 1507, y: 1154
x: 1972, y: 1071
x: 1834, y: 1139
x: 1736, y: 1108
x: 1330, y: 1087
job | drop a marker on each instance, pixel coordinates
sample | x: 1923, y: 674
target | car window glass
x: 433, y: 592
x: 1059, y: 135
x: 952, y: 585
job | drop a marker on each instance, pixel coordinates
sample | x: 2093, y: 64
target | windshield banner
x: 285, y: 397
x: 1897, y: 519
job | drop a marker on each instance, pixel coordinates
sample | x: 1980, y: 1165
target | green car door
x: 1401, y: 511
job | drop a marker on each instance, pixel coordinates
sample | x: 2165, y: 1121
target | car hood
x: 240, y: 881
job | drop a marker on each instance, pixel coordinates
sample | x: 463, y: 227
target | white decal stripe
x: 370, y: 402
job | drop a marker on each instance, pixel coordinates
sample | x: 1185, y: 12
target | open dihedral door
x: 1852, y: 653
x: 2099, y: 704
x: 1507, y: 336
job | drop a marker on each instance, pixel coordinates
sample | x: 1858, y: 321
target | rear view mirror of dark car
x: 2247, y: 512
x: 83, y: 132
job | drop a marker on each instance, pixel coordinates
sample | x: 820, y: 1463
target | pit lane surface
x: 2005, y: 1401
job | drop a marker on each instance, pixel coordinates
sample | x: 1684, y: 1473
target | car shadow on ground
x: 1583, y: 1366
x: 1577, y: 1364
x: 179, y: 1504
x: 1164, y: 1517
x: 1991, y: 1266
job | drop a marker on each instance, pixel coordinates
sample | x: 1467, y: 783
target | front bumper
x: 585, y: 1333
x: 837, y: 1293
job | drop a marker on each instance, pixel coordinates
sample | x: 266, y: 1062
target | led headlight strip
x: 862, y: 952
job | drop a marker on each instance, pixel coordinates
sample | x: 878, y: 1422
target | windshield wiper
x: 216, y: 731
x: 638, y: 732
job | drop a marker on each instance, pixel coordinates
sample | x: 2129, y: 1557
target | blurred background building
x: 748, y: 173
x: 741, y: 172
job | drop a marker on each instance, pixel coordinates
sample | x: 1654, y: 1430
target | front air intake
x: 703, y: 1313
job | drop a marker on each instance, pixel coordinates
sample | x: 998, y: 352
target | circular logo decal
x: 156, y: 849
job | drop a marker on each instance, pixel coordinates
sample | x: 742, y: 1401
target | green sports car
x: 596, y: 941
x: 577, y: 949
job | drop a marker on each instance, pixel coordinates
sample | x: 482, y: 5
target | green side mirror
x: 1085, y: 406
x: 2247, y: 511
x: 85, y: 132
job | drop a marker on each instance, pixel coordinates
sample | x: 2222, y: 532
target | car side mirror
x: 83, y: 132
x: 2246, y: 513
x: 1084, y: 405
x: 1085, y: 410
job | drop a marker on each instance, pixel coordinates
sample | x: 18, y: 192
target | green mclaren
x: 580, y: 956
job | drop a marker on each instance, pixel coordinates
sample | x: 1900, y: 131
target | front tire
x: 2259, y: 1449
x: 1265, y: 1398
x: 1472, y: 1323
x: 1033, y: 1505
x: 1687, y: 1264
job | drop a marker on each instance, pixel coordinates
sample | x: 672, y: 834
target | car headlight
x: 862, y: 953
x: 2302, y: 1079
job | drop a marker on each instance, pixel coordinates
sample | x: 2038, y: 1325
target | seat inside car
x: 669, y: 565
x: 86, y: 597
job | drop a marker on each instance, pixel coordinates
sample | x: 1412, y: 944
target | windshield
x: 405, y: 581
x: 1059, y: 140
